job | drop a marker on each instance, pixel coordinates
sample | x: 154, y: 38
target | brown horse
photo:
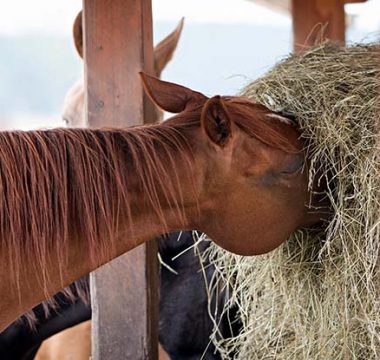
x: 73, y: 106
x: 74, y: 199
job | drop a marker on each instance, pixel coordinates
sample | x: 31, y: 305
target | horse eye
x: 294, y: 166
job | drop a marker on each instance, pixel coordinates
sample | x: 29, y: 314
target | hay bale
x: 318, y: 296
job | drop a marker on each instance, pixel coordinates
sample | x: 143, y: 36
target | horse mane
x: 60, y: 183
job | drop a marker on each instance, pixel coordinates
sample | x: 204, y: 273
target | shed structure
x: 117, y: 45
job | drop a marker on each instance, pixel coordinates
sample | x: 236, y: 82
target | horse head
x: 251, y: 166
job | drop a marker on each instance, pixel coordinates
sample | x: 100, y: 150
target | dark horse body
x: 21, y: 341
x: 184, y: 323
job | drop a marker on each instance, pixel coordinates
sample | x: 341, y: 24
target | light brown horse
x: 74, y: 199
x: 73, y: 105
x: 71, y: 344
x: 74, y: 344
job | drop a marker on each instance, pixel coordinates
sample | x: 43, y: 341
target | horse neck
x: 156, y: 201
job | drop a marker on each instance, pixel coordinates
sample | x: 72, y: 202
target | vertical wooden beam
x: 311, y: 15
x: 118, y: 44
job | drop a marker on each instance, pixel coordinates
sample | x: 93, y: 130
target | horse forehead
x: 75, y: 93
x: 73, y: 106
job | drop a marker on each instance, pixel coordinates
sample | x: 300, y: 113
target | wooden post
x: 124, y: 293
x: 310, y: 16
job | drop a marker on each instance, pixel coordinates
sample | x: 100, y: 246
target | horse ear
x: 216, y: 121
x: 168, y: 96
x: 164, y: 50
x: 78, y: 34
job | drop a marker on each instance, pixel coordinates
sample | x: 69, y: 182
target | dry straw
x: 317, y: 296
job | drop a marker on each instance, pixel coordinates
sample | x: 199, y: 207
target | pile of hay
x: 318, y: 295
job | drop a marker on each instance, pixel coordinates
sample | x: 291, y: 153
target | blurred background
x: 225, y: 44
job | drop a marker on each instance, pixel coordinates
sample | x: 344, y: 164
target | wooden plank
x: 124, y: 315
x: 310, y: 16
x: 118, y: 44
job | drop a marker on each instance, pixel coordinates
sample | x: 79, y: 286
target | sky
x: 55, y: 16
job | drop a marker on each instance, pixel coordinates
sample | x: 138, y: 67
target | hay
x: 317, y: 296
